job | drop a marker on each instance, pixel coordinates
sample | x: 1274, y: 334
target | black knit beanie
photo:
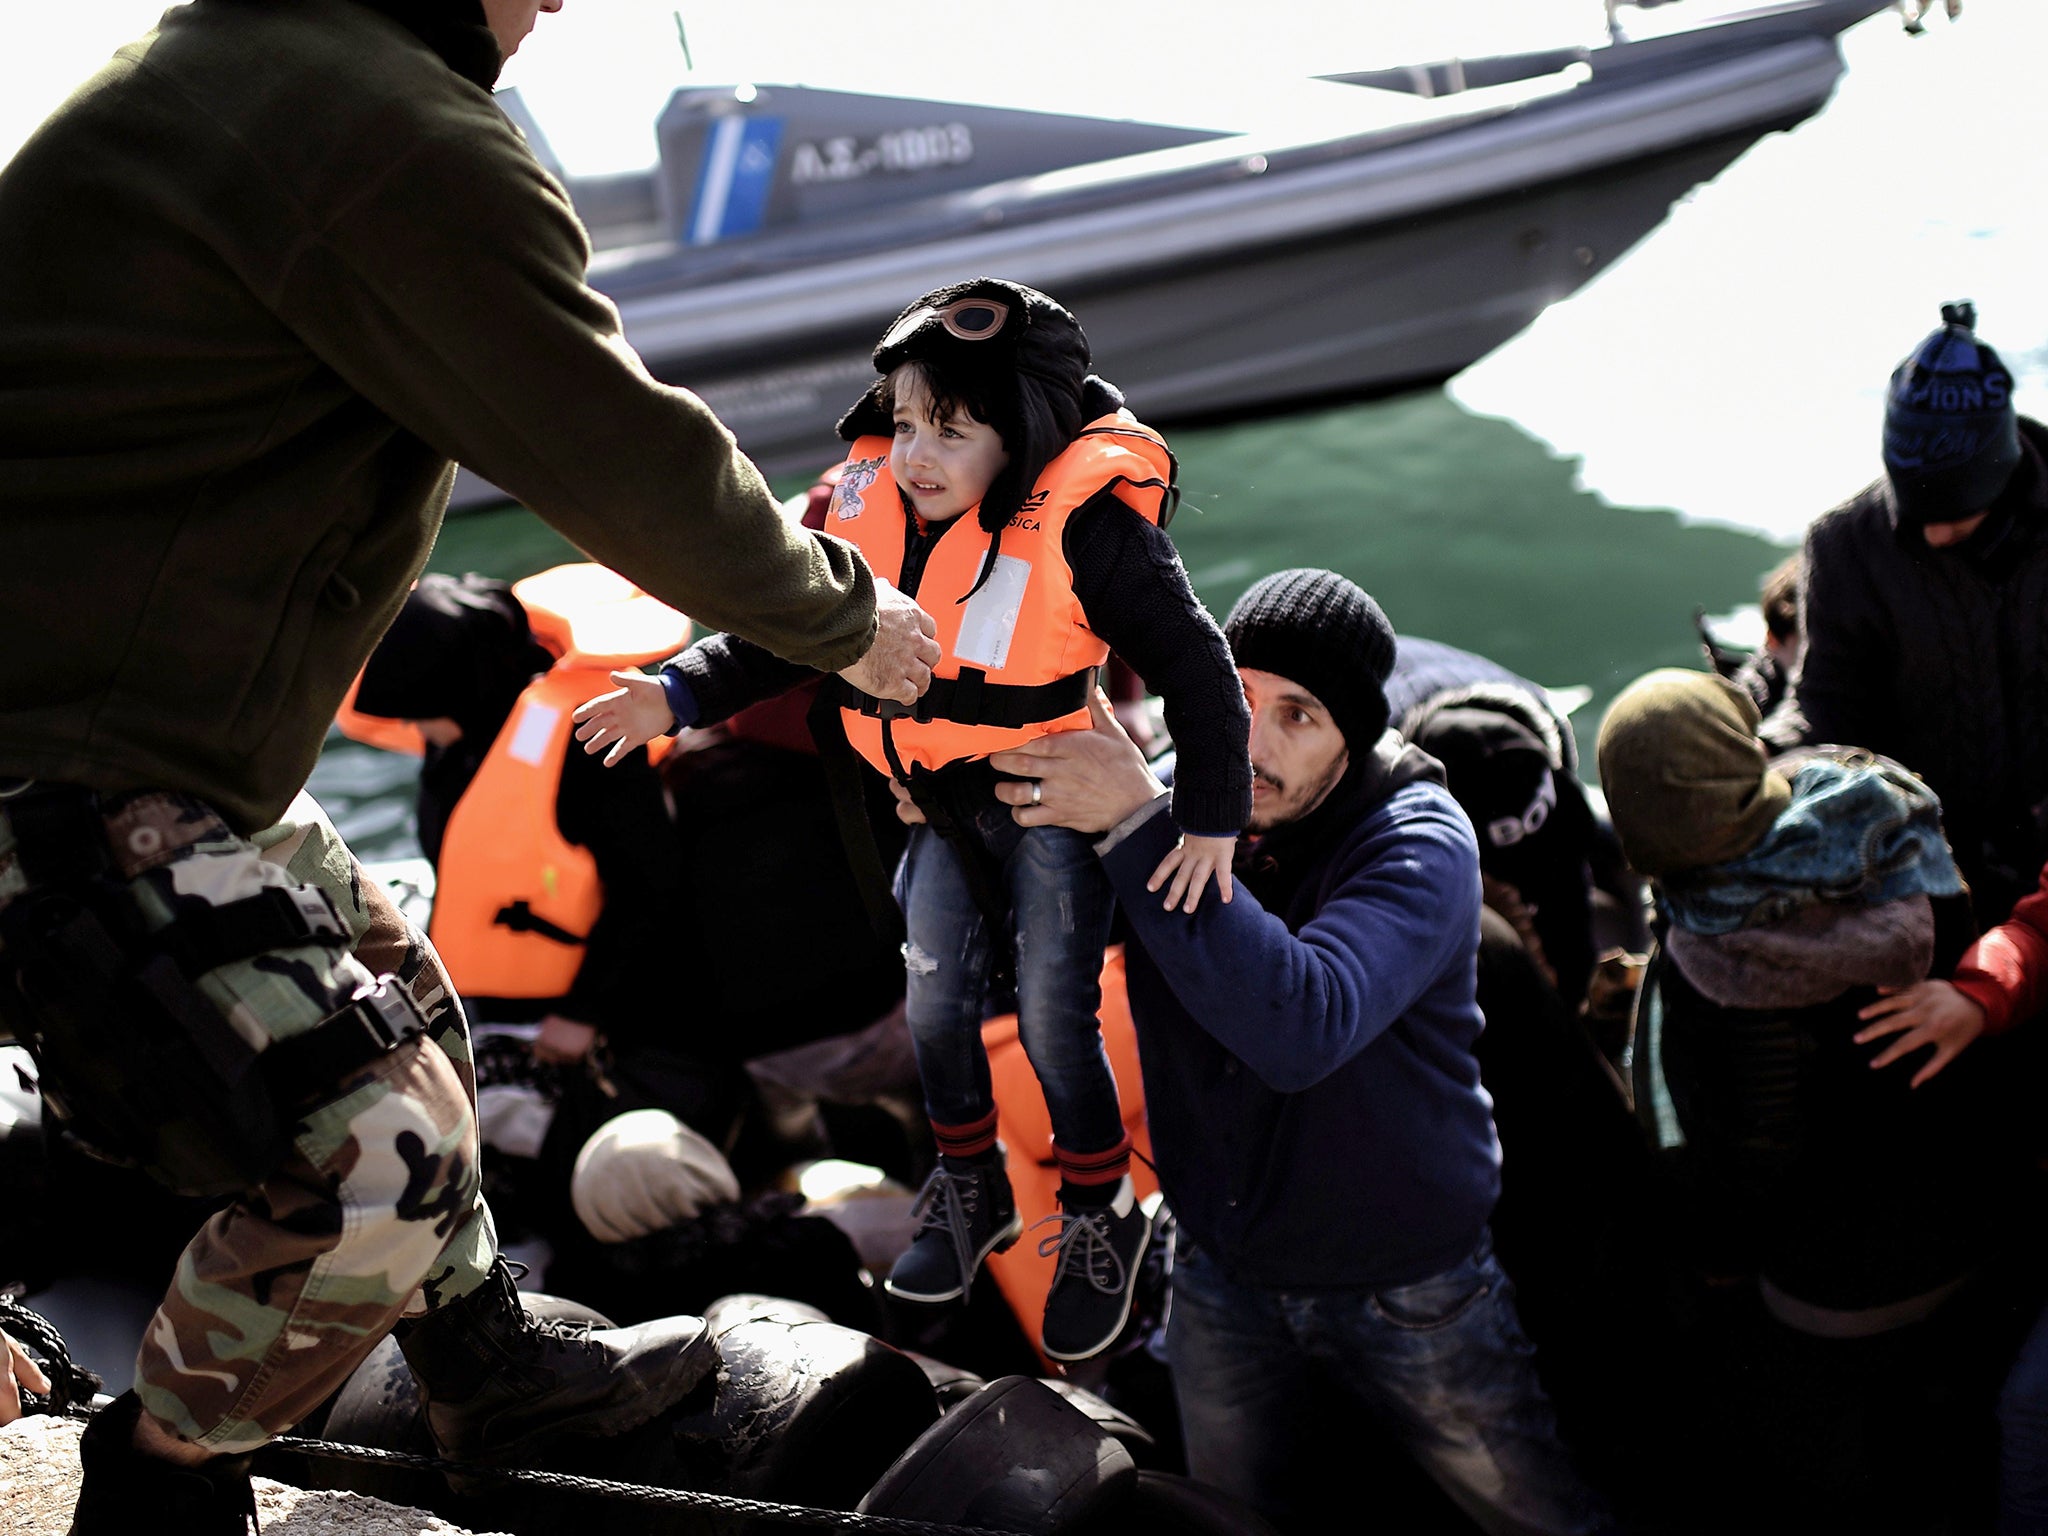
x: 1951, y: 434
x: 1028, y: 380
x: 1320, y: 630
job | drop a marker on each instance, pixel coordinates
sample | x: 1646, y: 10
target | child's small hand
x: 1935, y: 1013
x: 630, y: 716
x: 1190, y: 865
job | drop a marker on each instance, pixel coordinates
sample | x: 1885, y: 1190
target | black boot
x: 1100, y: 1247
x: 125, y: 1491
x: 500, y: 1383
x: 967, y: 1213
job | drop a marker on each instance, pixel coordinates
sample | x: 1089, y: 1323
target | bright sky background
x: 597, y: 73
x: 1733, y: 366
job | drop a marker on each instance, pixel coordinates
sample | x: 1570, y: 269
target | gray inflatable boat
x: 1402, y: 224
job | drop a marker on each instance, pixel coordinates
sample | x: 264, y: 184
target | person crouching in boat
x: 1854, y: 1208
x: 554, y: 880
x: 1006, y: 488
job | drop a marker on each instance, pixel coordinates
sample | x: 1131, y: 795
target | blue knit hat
x: 1951, y: 435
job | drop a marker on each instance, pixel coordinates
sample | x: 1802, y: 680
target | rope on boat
x: 71, y: 1386
x: 72, y: 1389
x: 640, y: 1493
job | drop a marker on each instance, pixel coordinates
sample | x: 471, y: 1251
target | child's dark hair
x: 1028, y: 379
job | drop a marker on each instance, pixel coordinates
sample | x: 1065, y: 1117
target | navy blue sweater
x: 1313, y: 1098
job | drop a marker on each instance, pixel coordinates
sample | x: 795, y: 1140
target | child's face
x: 944, y: 467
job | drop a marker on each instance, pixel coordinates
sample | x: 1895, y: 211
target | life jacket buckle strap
x: 971, y: 699
x: 521, y: 918
x: 885, y: 709
x: 967, y: 696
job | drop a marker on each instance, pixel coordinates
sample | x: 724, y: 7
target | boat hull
x: 1405, y: 304
x: 1219, y: 279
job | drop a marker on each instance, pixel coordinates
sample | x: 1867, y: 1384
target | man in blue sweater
x: 1314, y: 1101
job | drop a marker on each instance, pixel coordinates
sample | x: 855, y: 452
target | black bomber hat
x: 1008, y: 354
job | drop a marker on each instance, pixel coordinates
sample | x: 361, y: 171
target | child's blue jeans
x: 1061, y: 903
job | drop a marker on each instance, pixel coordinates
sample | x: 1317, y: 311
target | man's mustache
x: 1267, y: 777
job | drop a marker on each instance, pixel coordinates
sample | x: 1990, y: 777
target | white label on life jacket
x: 531, y: 735
x: 991, y: 617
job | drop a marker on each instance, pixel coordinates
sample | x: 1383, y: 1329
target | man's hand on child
x: 1087, y: 780
x: 630, y: 716
x: 1190, y: 867
x: 1935, y: 1013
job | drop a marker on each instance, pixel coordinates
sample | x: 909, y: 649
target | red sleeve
x: 2006, y: 971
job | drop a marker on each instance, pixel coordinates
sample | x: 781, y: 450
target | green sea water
x: 1466, y: 529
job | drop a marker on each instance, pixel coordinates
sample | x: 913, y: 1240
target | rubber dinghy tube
x: 1016, y: 1456
x: 798, y: 1411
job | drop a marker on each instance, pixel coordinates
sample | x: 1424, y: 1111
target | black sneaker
x: 1100, y: 1249
x: 968, y: 1213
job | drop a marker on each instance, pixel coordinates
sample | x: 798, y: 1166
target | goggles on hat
x: 1506, y: 831
x: 969, y: 319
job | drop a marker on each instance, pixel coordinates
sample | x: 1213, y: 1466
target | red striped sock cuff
x: 969, y: 1140
x: 1090, y: 1168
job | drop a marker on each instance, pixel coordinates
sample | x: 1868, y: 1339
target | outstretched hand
x: 17, y: 1371
x: 1192, y: 863
x: 630, y: 716
x: 1935, y: 1013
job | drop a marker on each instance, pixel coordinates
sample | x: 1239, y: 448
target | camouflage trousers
x: 377, y: 1212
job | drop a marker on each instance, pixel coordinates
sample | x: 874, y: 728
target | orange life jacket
x: 1019, y: 656
x: 514, y: 900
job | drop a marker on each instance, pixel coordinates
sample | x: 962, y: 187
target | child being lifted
x: 1002, y: 485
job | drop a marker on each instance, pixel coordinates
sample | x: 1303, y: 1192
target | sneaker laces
x: 1083, y: 1243
x: 943, y: 1205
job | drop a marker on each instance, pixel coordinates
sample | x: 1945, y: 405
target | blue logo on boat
x: 734, y: 181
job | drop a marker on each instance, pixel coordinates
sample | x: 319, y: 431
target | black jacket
x: 1939, y: 659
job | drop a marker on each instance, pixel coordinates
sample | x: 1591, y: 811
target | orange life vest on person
x: 1021, y: 628
x: 514, y: 900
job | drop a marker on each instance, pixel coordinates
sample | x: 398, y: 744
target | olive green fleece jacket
x: 262, y: 279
